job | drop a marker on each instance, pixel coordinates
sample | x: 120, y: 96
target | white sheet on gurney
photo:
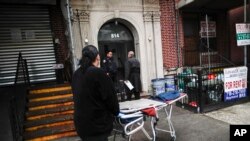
x: 136, y: 105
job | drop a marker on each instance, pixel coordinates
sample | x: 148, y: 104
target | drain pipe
x: 153, y: 30
x: 208, y: 45
x: 177, y: 35
x: 245, y: 21
x: 72, y: 48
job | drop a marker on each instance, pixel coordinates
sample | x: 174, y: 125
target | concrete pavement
x: 237, y: 114
x: 189, y: 126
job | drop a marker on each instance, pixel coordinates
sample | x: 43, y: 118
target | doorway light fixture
x: 86, y: 41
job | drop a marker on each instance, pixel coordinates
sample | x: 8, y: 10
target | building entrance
x: 115, y: 36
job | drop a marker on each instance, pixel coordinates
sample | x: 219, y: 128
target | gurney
x: 131, y: 117
x: 142, y: 105
x: 129, y: 124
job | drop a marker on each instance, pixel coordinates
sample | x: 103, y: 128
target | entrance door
x: 116, y: 37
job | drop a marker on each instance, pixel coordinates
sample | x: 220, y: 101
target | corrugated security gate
x: 26, y: 29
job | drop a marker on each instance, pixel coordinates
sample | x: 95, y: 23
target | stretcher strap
x: 149, y: 112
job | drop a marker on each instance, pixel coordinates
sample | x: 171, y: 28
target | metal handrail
x: 22, y: 64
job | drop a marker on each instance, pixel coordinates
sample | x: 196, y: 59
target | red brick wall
x: 58, y: 27
x: 236, y: 53
x: 58, y: 31
x: 168, y: 32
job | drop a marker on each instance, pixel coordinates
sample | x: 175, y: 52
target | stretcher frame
x: 166, y: 106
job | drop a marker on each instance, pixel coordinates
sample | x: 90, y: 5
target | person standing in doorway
x: 109, y: 66
x: 132, y: 73
x: 95, y: 100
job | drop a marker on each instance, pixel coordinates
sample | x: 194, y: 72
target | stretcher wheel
x: 173, y: 138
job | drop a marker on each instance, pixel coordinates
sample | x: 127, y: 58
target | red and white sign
x: 235, y: 78
x: 235, y: 83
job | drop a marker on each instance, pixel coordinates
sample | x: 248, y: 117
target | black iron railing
x: 204, y: 87
x: 205, y: 59
x: 15, y: 120
x: 22, y: 72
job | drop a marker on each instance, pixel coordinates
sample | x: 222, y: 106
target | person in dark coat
x: 132, y: 73
x: 95, y: 100
x: 109, y: 66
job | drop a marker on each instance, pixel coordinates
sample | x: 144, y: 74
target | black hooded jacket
x: 95, y: 102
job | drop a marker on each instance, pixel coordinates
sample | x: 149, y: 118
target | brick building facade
x: 159, y: 29
x: 170, y: 39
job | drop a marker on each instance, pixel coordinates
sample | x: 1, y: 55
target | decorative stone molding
x: 81, y: 15
x: 117, y: 13
x: 147, y: 16
x: 151, y: 1
x: 151, y: 5
x: 156, y: 16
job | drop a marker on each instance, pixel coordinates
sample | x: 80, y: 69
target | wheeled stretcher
x: 142, y: 105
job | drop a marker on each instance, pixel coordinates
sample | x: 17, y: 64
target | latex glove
x: 120, y: 114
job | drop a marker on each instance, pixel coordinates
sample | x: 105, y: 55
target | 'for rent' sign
x: 235, y: 83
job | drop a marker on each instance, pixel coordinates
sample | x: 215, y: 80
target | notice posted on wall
x: 235, y: 83
x: 243, y: 34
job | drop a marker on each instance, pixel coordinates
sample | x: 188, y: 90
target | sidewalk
x: 189, y: 126
x: 237, y: 114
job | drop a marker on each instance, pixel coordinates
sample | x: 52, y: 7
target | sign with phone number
x: 235, y: 83
x: 235, y: 94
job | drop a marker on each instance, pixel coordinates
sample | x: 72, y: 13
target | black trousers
x: 136, y: 94
x: 103, y: 137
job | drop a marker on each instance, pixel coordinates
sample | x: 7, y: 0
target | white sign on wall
x: 243, y: 34
x: 211, y: 28
x: 16, y: 34
x: 235, y: 83
x: 57, y: 66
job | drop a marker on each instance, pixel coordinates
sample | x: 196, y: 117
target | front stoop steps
x: 49, y: 114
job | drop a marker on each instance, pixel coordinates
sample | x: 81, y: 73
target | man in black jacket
x: 109, y: 66
x: 95, y: 101
x: 132, y: 73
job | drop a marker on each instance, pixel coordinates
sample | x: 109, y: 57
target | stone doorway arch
x: 116, y: 35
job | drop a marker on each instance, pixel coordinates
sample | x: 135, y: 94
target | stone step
x: 37, y: 113
x: 69, y: 136
x: 51, y: 125
x: 49, y: 102
x: 50, y: 106
x: 48, y: 115
x: 49, y: 90
x: 50, y: 98
x: 42, y: 132
x: 48, y: 120
x: 33, y: 96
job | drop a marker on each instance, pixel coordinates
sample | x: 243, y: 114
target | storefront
x: 219, y: 18
x: 209, y: 32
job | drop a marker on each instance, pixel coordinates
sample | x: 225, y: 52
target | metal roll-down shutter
x: 26, y: 29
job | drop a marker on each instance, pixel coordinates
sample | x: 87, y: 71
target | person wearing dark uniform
x: 132, y: 73
x: 95, y: 100
x: 109, y: 66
